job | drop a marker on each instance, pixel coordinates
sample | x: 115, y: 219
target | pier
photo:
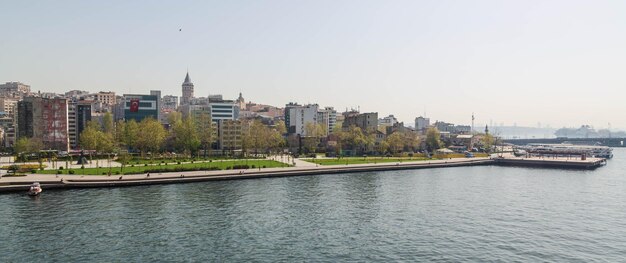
x: 551, y: 162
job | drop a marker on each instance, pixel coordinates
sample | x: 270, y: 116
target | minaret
x: 187, y: 91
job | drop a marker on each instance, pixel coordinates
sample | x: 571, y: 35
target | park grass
x: 368, y: 160
x: 361, y: 160
x: 198, y: 166
x: 182, y: 160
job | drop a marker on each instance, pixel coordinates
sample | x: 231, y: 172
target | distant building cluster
x: 59, y: 119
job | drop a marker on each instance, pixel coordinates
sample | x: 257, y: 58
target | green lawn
x: 361, y: 160
x: 182, y: 160
x: 198, y: 166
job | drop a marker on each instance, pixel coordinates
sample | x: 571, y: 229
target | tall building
x: 8, y: 105
x: 421, y: 123
x: 229, y: 134
x: 297, y: 116
x: 187, y: 90
x: 139, y: 107
x: 44, y: 119
x: 327, y: 117
x: 78, y: 119
x: 223, y: 110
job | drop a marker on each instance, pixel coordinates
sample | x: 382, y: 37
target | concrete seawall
x: 19, y: 184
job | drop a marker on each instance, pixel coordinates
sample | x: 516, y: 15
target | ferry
x: 35, y: 189
x: 570, y: 149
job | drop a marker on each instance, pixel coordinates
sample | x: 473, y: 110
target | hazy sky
x: 561, y: 63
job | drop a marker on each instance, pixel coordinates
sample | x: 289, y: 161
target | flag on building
x: 134, y: 105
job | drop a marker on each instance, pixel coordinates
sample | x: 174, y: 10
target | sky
x: 556, y: 63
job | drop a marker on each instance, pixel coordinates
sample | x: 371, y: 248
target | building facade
x: 138, y: 107
x: 365, y: 121
x: 297, y: 116
x: 387, y: 121
x: 107, y: 98
x: 421, y: 123
x: 45, y: 119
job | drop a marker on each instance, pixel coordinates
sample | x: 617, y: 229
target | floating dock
x: 552, y: 162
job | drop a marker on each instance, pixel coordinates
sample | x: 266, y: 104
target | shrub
x: 178, y: 162
x: 253, y: 166
x: 132, y: 165
x: 104, y: 173
x: 71, y: 172
x: 33, y: 171
x: 145, y: 164
x: 59, y: 172
x: 264, y: 166
x: 82, y: 166
x: 60, y: 167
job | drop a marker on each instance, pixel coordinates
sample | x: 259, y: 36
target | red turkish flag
x: 134, y: 105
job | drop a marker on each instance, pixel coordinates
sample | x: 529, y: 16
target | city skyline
x: 556, y: 63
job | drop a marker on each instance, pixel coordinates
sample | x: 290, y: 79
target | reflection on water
x: 483, y: 213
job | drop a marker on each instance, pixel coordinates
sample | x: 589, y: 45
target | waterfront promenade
x: 51, y: 181
x: 299, y: 168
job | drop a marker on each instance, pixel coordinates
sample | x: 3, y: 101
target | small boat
x: 35, y: 189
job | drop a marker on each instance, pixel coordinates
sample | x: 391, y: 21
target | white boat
x: 35, y: 189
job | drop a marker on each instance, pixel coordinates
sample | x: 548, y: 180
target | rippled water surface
x: 477, y: 214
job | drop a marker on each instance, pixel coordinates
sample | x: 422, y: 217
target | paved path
x: 291, y: 161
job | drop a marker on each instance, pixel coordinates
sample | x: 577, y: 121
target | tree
x: 186, y: 136
x: 152, y: 135
x: 90, y: 137
x: 382, y: 147
x: 20, y: 148
x: 107, y: 123
x: 276, y: 141
x: 205, y: 131
x: 130, y: 134
x: 395, y: 142
x: 487, y: 142
x: 174, y: 117
x: 96, y: 140
x: 433, y: 141
x: 314, y: 129
x: 411, y: 141
x: 281, y: 127
x: 353, y: 138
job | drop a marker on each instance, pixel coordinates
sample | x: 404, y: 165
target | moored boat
x: 35, y: 189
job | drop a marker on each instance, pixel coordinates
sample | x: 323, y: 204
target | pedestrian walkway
x: 291, y: 161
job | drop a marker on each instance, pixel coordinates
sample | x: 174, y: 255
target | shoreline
x: 50, y: 181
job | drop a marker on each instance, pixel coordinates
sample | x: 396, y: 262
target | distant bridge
x: 611, y: 142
